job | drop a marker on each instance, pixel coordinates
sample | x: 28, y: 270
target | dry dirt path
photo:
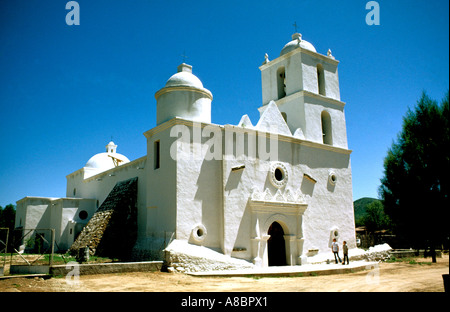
x: 389, y: 277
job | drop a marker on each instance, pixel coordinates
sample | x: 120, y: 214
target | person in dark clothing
x: 345, y: 250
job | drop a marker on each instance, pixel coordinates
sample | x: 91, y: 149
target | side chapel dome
x: 107, y: 160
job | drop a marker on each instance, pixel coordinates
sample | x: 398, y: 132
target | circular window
x: 199, y: 233
x: 332, y: 178
x: 278, y: 175
x: 83, y: 214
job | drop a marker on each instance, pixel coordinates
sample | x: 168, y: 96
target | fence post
x: 52, y: 250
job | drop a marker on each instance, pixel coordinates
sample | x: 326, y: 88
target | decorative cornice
x: 282, y: 138
x: 287, y: 202
x: 296, y: 51
x: 203, y: 91
x: 305, y: 94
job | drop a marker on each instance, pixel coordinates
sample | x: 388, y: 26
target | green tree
x: 7, y: 220
x: 375, y: 218
x: 415, y: 185
x: 7, y: 216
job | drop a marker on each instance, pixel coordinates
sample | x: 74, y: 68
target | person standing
x: 345, y: 250
x: 335, y: 249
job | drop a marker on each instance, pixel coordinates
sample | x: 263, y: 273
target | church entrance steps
x: 294, y: 271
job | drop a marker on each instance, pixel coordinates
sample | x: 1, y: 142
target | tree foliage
x: 7, y: 216
x: 415, y: 185
x: 375, y: 219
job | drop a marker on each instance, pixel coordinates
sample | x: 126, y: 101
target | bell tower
x: 183, y: 96
x: 305, y: 86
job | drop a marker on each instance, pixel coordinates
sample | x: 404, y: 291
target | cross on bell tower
x: 184, y: 56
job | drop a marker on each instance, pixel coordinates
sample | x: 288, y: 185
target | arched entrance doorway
x: 276, y: 245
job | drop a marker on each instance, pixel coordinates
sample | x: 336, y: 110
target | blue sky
x: 66, y: 90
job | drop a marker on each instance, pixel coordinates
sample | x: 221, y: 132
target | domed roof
x: 184, y: 78
x: 107, y: 160
x: 296, y: 42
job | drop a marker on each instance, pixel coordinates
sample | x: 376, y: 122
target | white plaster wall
x: 161, y: 186
x: 331, y: 81
x: 294, y: 74
x: 199, y: 194
x: 293, y: 70
x: 309, y: 77
x: 21, y: 212
x: 37, y: 213
x: 237, y: 188
x: 328, y: 206
x: 99, y: 186
x: 313, y: 128
x: 269, y: 82
x: 53, y: 213
x: 301, y: 75
x: 69, y: 210
x: 294, y: 108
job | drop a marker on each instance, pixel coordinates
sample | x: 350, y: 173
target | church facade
x: 273, y: 193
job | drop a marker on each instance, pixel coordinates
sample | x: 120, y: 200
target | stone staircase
x: 112, y: 230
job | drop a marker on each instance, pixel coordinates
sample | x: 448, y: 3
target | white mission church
x: 274, y: 192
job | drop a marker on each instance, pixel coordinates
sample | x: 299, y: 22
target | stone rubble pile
x: 184, y: 257
x: 92, y: 233
x: 376, y: 253
x: 112, y: 230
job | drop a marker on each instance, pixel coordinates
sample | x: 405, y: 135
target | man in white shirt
x: 335, y: 248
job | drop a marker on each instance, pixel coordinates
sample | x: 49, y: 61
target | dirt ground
x: 420, y: 276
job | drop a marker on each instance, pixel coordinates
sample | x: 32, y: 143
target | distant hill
x: 360, y: 205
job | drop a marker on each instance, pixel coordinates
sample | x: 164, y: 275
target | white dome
x: 108, y: 160
x: 184, y: 79
x: 105, y: 161
x: 296, y: 42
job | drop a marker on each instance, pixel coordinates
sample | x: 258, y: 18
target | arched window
x: 326, y: 128
x: 281, y: 82
x: 320, y: 79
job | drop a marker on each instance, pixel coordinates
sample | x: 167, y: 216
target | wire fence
x: 32, y: 247
x: 4, y: 234
x: 37, y: 247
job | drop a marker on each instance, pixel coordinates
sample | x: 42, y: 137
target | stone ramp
x: 201, y: 261
x: 293, y: 271
x: 112, y: 230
